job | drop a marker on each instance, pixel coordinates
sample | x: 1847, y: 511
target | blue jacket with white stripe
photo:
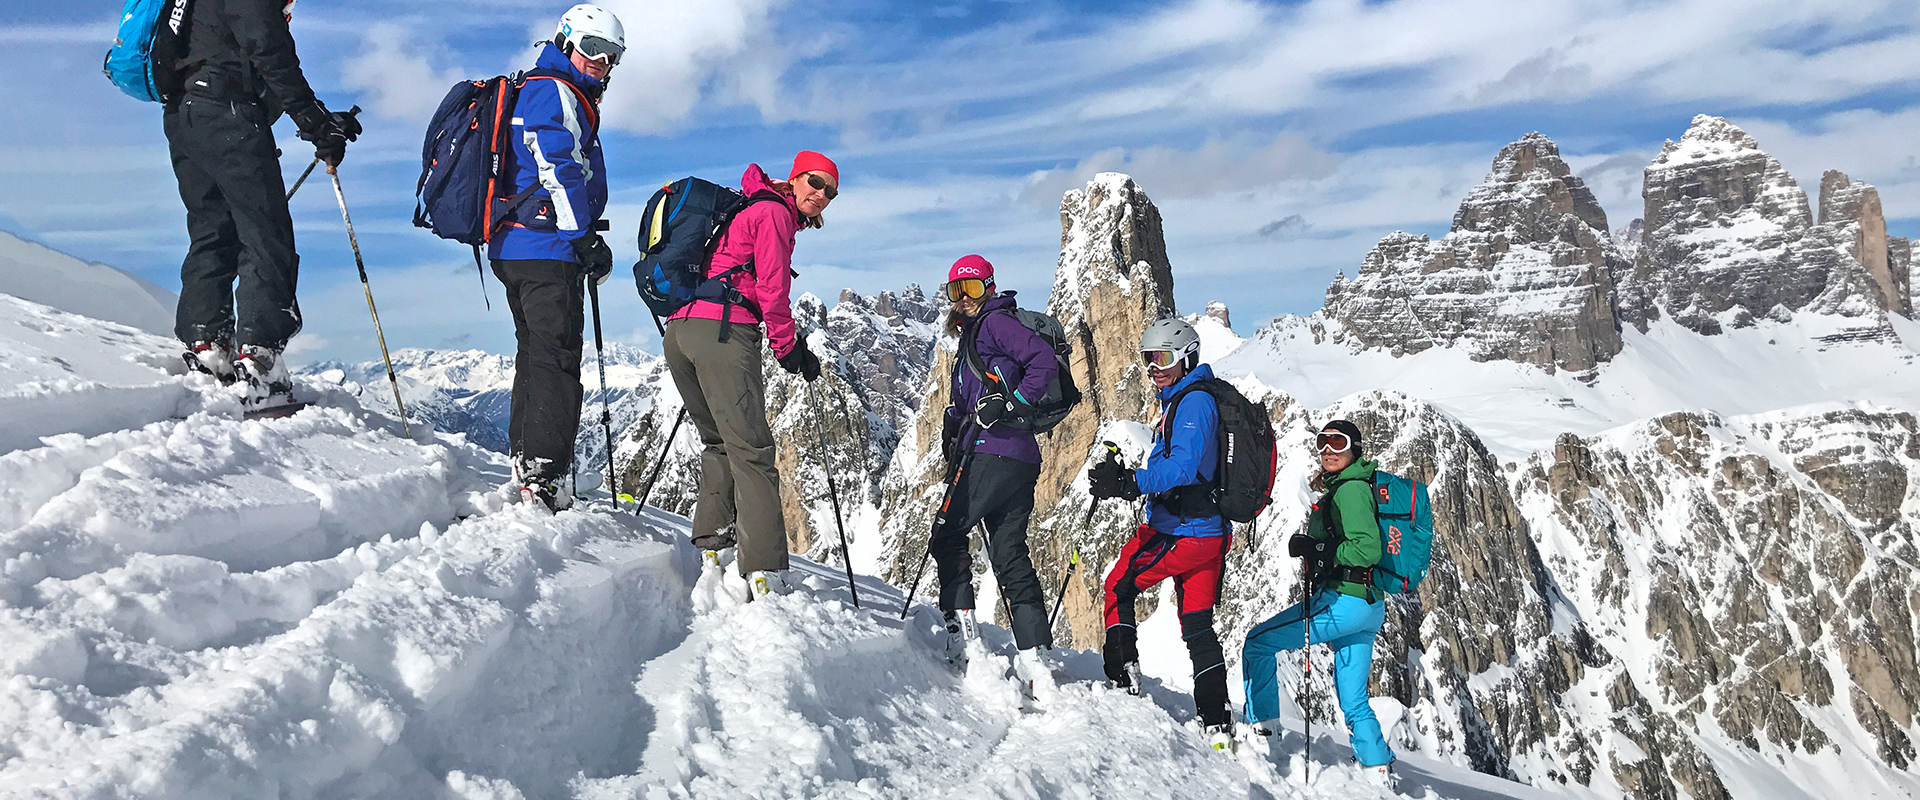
x: 557, y: 149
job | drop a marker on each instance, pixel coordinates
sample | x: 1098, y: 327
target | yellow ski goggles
x: 968, y: 287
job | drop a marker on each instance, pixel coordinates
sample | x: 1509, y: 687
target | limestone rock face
x: 1113, y: 279
x: 1729, y: 238
x: 1764, y: 563
x: 1526, y: 273
x: 1851, y: 215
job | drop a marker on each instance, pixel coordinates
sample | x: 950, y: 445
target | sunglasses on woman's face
x: 1332, y: 442
x: 967, y: 287
x: 820, y: 183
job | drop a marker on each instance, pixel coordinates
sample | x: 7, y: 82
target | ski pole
x: 398, y: 404
x: 304, y: 174
x: 1306, y: 671
x: 654, y: 475
x: 939, y: 519
x: 606, y: 414
x: 1107, y: 450
x: 833, y: 490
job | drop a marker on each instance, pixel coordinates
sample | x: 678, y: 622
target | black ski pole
x: 1306, y: 670
x: 303, y: 175
x: 665, y: 448
x: 940, y: 517
x: 1110, y: 450
x: 833, y: 490
x: 361, y: 263
x: 606, y: 413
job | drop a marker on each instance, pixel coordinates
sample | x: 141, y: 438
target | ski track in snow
x: 197, y: 606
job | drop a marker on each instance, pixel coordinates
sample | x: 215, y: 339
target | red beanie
x: 971, y: 267
x: 809, y: 161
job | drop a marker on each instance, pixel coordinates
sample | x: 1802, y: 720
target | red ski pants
x: 1193, y: 562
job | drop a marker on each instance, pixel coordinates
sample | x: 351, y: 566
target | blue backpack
x: 466, y: 160
x: 145, y: 58
x: 679, y: 230
x: 1406, y: 533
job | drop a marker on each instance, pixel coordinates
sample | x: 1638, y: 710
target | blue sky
x: 1280, y: 140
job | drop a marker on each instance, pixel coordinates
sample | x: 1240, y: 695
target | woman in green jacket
x: 1341, y: 546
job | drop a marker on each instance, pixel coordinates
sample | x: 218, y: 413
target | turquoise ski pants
x: 1346, y: 624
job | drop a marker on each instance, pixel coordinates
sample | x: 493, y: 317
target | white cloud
x: 683, y: 52
x: 395, y: 74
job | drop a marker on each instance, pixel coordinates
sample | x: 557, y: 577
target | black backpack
x: 679, y: 230
x: 1061, y: 394
x: 1242, y: 484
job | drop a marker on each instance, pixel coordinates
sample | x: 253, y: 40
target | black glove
x: 801, y: 361
x: 1109, y: 479
x: 1317, y: 552
x: 950, y: 434
x: 596, y: 258
x: 992, y: 409
x: 329, y: 131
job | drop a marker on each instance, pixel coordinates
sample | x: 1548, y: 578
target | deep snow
x: 197, y: 606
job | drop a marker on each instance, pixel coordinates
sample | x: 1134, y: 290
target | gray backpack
x: 1061, y: 395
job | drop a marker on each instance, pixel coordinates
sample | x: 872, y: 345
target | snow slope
x: 197, y: 606
x: 1519, y: 409
x: 32, y: 271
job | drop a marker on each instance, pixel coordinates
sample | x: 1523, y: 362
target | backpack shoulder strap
x: 586, y: 104
x: 1173, y: 406
x: 970, y: 346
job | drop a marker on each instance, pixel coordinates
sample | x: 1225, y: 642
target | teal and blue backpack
x: 1406, y: 533
x: 145, y: 58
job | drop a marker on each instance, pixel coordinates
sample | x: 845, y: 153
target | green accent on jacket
x: 1360, y: 545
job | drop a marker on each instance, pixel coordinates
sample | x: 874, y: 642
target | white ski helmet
x: 592, y: 31
x: 1173, y: 335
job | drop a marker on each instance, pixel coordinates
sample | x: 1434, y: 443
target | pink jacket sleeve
x: 773, y: 273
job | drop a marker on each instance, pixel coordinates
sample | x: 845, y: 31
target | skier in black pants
x: 241, y: 73
x: 549, y: 243
x: 1001, y: 364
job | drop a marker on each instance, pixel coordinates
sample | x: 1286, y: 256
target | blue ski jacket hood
x: 1186, y: 450
x: 556, y: 147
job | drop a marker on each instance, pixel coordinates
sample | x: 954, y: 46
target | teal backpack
x: 145, y: 58
x: 1406, y: 533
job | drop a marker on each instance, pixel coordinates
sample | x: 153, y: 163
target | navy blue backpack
x: 465, y: 161
x: 145, y: 58
x: 678, y: 233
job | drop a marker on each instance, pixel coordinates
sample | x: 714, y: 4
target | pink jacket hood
x: 763, y: 234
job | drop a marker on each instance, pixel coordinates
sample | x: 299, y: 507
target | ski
x: 287, y: 409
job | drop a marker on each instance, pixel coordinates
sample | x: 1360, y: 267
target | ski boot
x: 1220, y: 738
x: 1129, y: 679
x: 1035, y: 677
x: 765, y: 582
x: 269, y: 386
x: 212, y: 358
x: 962, y: 632
x: 555, y: 495
x: 1381, y: 776
x: 713, y: 560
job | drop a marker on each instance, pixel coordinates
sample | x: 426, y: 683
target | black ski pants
x: 229, y: 174
x: 998, y: 491
x: 549, y: 313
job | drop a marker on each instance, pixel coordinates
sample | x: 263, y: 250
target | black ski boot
x: 269, y: 386
x: 212, y: 358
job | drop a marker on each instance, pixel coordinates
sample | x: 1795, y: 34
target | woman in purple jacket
x: 1000, y: 369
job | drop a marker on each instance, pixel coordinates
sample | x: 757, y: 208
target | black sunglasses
x: 820, y: 183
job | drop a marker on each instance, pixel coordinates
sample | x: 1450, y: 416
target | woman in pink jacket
x: 713, y: 350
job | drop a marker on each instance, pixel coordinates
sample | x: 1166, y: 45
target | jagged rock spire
x: 1526, y: 274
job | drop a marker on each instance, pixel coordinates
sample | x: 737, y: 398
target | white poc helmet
x: 1173, y: 335
x: 592, y: 31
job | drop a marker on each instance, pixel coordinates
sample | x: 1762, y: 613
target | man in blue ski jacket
x: 1185, y: 537
x: 548, y: 243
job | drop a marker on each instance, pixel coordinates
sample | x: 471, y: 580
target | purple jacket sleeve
x: 1038, y: 366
